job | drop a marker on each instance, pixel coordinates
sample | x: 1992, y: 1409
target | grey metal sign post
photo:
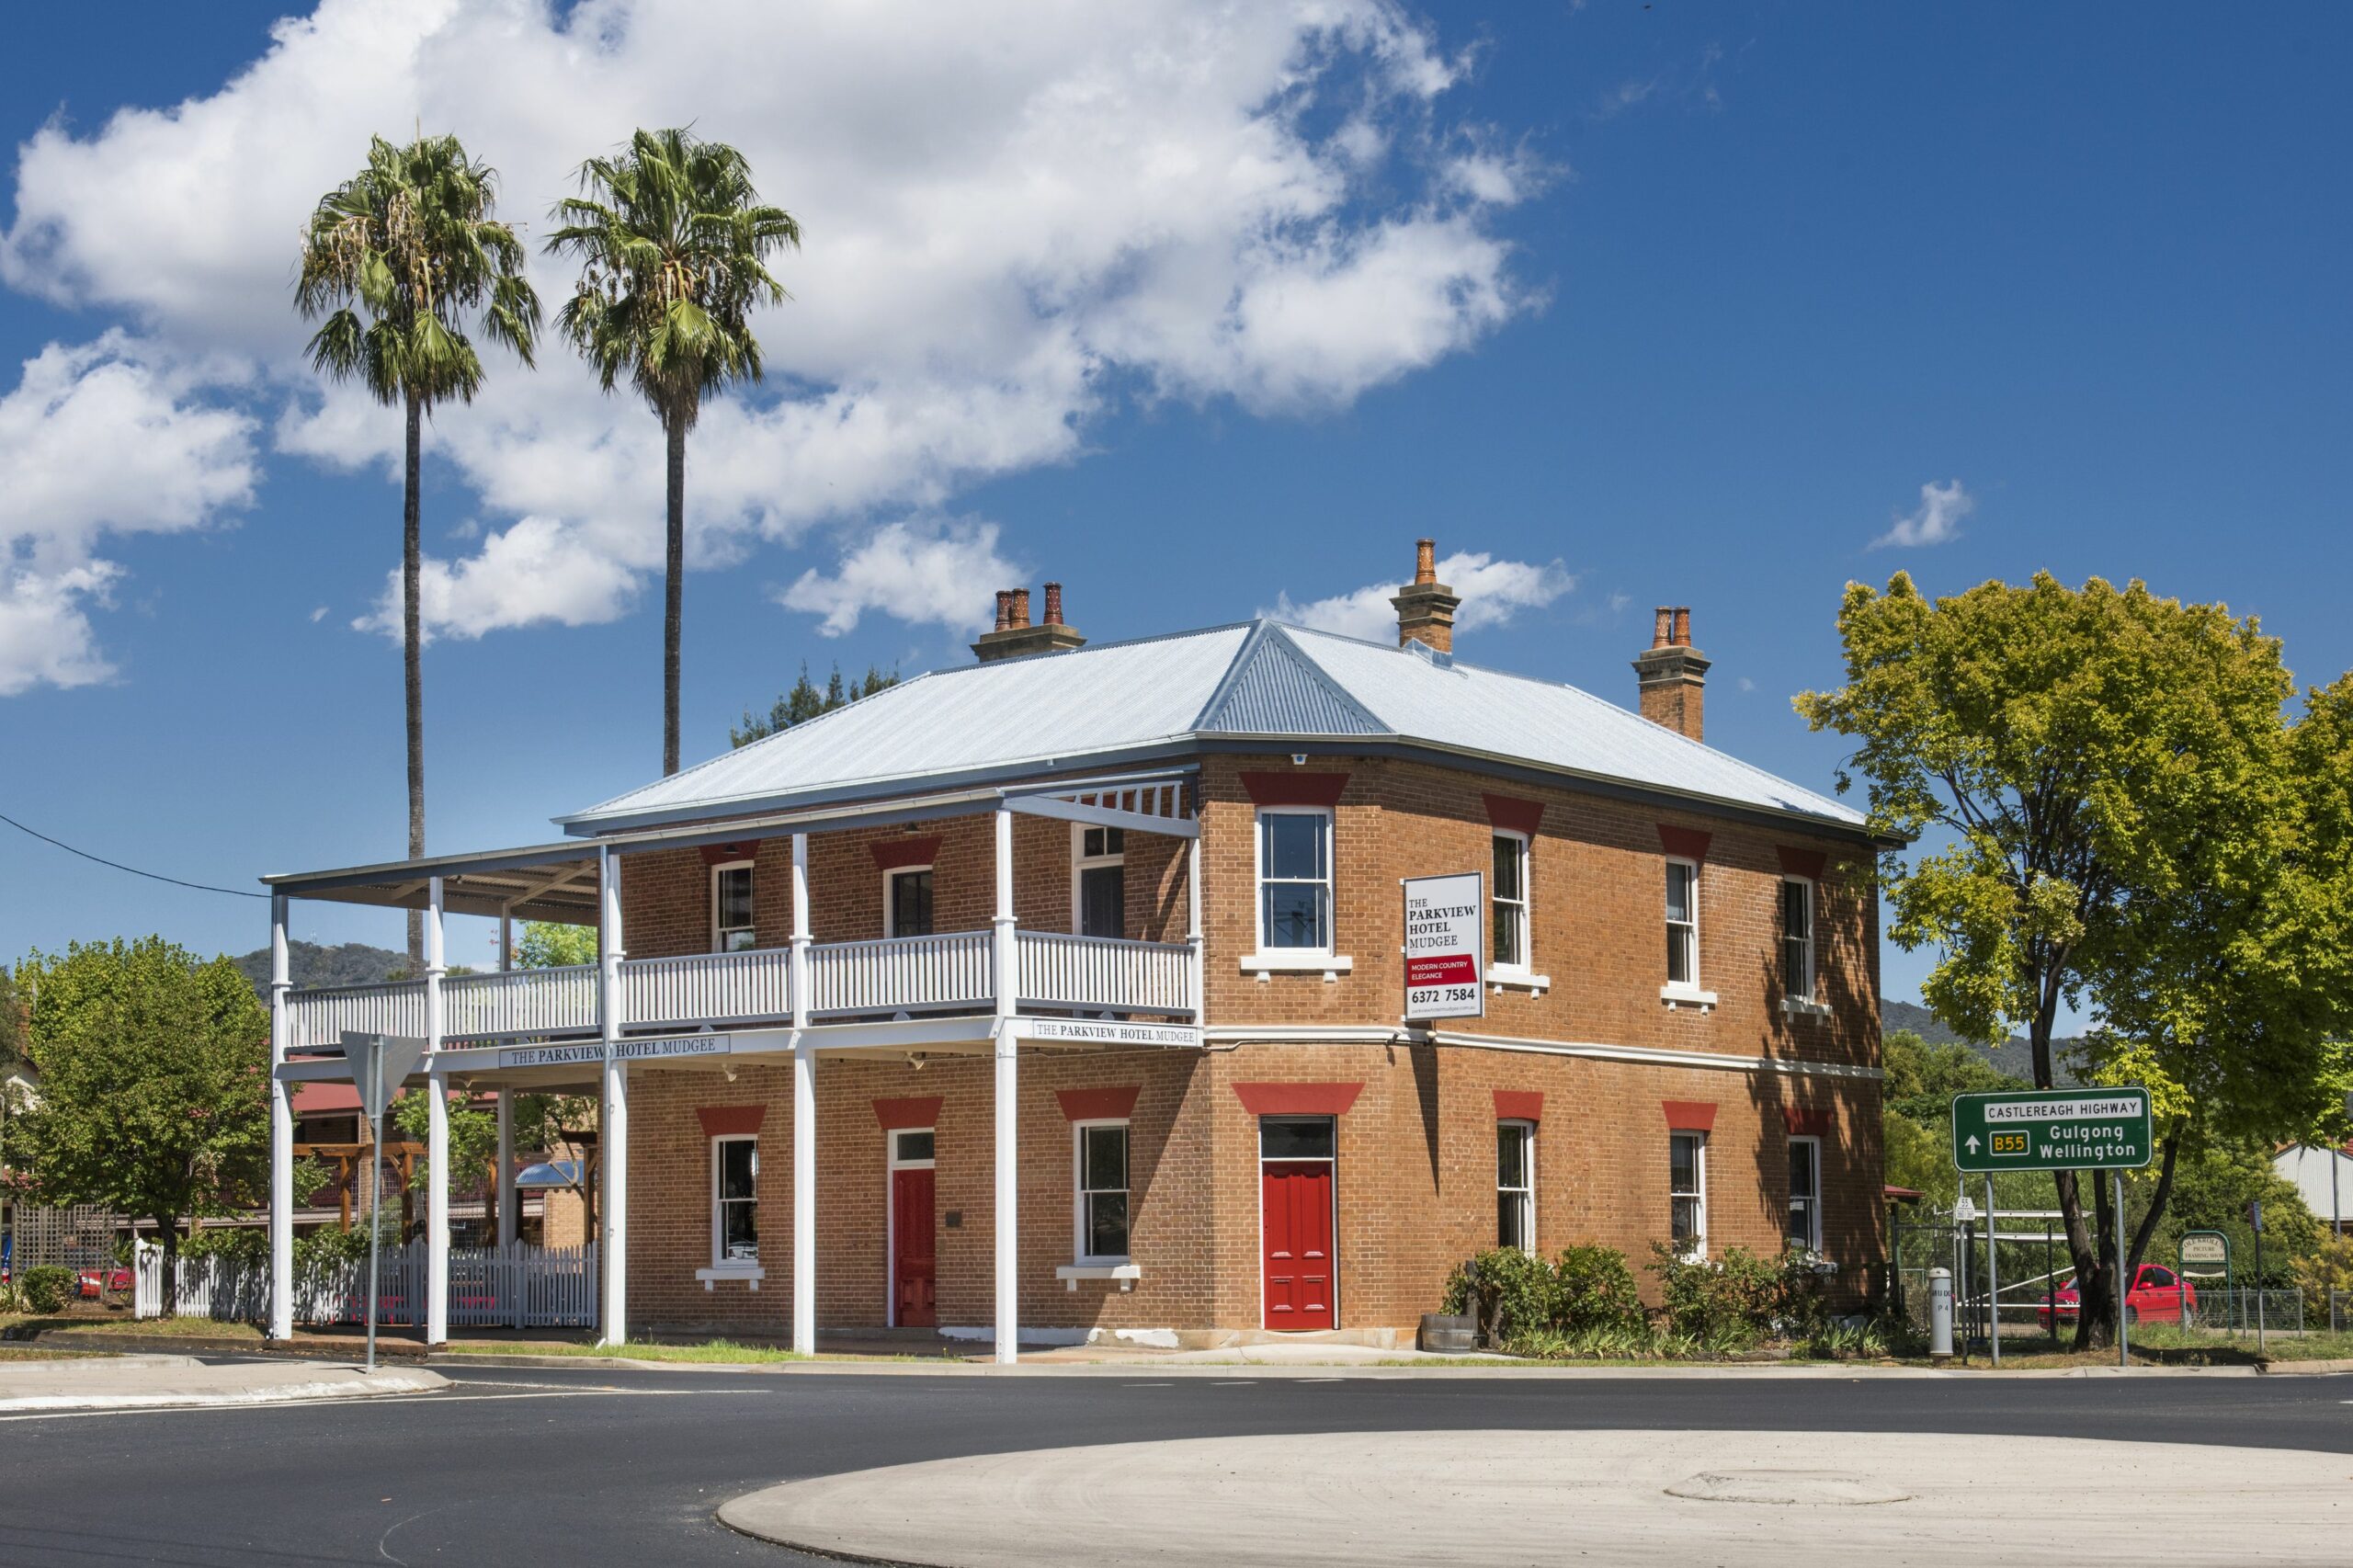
x: 1992, y: 1277
x: 378, y: 1064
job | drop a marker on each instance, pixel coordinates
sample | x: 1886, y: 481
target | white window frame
x: 1813, y: 1199
x: 1080, y: 862
x: 1259, y: 879
x: 1080, y: 1231
x: 719, y: 932
x: 1696, y: 1248
x: 1687, y: 990
x: 1810, y: 999
x: 891, y: 904
x: 719, y: 1262
x: 1524, y: 904
x: 1527, y: 1194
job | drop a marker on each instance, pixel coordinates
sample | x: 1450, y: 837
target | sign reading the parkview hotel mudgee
x: 2064, y: 1130
x: 624, y: 1051
x: 1446, y: 946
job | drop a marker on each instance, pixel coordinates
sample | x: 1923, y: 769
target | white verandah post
x: 509, y: 1222
x: 281, y: 1133
x: 805, y: 1116
x: 612, y: 1133
x: 1008, y: 1105
x: 437, y: 1152
x: 1197, y: 973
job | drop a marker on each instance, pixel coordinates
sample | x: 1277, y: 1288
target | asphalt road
x: 592, y: 1467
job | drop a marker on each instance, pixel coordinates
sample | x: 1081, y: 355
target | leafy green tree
x: 2084, y: 762
x: 673, y: 242
x: 2211, y: 1191
x: 398, y: 259
x: 806, y: 702
x: 154, y: 1097
x: 546, y: 944
x: 562, y: 1126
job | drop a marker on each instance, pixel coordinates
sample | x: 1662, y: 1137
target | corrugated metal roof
x: 1259, y: 678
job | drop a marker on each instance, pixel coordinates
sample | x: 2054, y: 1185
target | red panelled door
x: 915, y: 1269
x: 1298, y: 1236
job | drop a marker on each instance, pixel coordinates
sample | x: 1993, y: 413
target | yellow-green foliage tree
x: 2109, y: 809
x: 154, y: 1086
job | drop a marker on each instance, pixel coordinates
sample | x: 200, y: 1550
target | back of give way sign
x: 1445, y: 958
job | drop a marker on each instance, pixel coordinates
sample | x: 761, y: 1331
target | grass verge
x: 59, y: 1328
x: 635, y: 1350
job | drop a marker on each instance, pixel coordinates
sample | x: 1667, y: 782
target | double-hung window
x: 1797, y: 939
x: 1516, y: 1185
x: 732, y: 927
x: 906, y: 902
x: 1294, y: 879
x: 1803, y: 1231
x: 1687, y: 1182
x: 1683, y: 923
x: 734, y: 1202
x: 1102, y: 1191
x: 1508, y: 903
x: 1098, y: 880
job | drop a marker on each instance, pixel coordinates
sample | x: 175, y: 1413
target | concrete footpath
x: 1592, y: 1497
x: 161, y: 1382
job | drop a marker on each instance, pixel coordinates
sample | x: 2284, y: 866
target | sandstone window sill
x: 711, y: 1277
x: 1688, y: 997
x: 1799, y: 1007
x: 1502, y: 980
x: 1331, y: 966
x: 1070, y: 1274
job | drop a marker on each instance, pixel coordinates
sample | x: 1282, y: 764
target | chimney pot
x: 1426, y: 607
x: 1683, y: 626
x: 1004, y: 607
x: 1663, y: 627
x: 1053, y: 604
x: 1020, y: 610
x: 1425, y: 560
x: 1671, y: 675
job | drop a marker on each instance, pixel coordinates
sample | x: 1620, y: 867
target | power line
x: 152, y: 876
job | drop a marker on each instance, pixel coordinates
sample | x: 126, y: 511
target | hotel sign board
x: 624, y: 1051
x: 2064, y: 1130
x: 1446, y: 951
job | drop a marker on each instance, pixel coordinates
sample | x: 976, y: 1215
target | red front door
x: 914, y: 1268
x: 1298, y: 1231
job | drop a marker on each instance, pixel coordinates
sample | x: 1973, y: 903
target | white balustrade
x: 947, y: 970
x: 521, y: 1001
x: 1097, y: 971
x: 318, y: 1018
x: 707, y: 988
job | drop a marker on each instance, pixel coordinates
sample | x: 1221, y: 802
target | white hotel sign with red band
x: 1446, y: 956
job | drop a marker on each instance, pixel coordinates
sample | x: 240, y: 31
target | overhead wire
x: 117, y: 865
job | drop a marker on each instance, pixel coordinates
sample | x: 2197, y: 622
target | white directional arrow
x: 1971, y: 1142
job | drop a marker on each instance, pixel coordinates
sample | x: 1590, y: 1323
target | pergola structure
x: 575, y: 1030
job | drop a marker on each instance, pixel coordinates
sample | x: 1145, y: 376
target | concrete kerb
x: 176, y: 1381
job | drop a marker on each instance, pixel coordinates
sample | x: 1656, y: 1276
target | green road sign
x: 2063, y: 1130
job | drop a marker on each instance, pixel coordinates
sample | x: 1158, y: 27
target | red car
x: 2157, y: 1297
x: 118, y: 1282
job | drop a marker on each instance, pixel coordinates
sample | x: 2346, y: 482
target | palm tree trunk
x: 673, y: 427
x: 412, y: 659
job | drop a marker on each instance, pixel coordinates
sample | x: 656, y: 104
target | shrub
x: 1508, y: 1292
x: 1727, y: 1303
x: 245, y: 1244
x: 2329, y: 1268
x: 1594, y: 1292
x: 330, y: 1244
x: 50, y: 1286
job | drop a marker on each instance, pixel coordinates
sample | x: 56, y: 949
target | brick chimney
x: 1671, y: 675
x: 1014, y: 636
x: 1426, y: 607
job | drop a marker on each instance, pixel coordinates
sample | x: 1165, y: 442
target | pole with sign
x: 2205, y: 1248
x: 2255, y: 1223
x: 1446, y: 951
x: 379, y: 1063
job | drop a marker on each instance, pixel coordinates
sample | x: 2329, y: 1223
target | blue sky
x: 1684, y: 304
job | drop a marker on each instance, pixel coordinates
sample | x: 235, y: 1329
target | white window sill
x: 1802, y: 1008
x: 1331, y: 966
x: 1070, y: 1274
x: 750, y: 1273
x: 1504, y: 978
x: 1686, y: 996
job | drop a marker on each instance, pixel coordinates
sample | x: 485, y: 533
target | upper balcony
x: 951, y: 973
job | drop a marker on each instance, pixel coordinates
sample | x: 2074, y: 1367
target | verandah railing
x: 948, y: 970
x: 1094, y: 971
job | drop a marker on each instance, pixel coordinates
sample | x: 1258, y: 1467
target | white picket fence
x: 519, y: 1286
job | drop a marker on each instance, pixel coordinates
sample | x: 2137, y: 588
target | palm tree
x: 672, y: 244
x: 409, y: 243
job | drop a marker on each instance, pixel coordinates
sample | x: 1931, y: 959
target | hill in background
x: 2014, y: 1056
x: 352, y: 964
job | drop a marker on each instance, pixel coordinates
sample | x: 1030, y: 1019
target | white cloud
x: 1493, y: 592
x: 98, y: 441
x: 1001, y: 205
x: 944, y: 571
x: 1935, y: 520
x: 538, y: 571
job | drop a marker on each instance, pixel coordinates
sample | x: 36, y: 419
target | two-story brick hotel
x: 1065, y: 991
